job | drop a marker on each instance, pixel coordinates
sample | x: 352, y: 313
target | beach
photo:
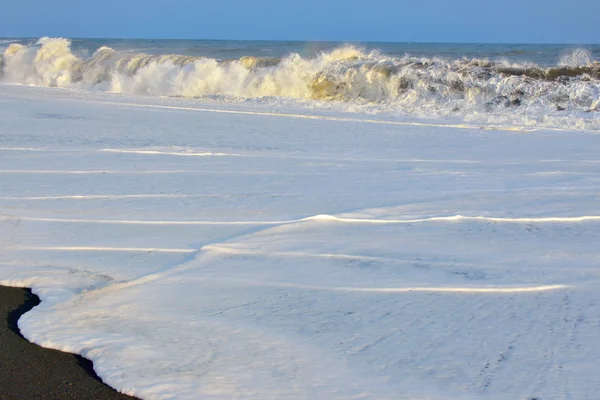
x: 28, y: 371
x: 217, y: 247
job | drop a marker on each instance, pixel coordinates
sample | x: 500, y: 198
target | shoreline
x: 28, y: 371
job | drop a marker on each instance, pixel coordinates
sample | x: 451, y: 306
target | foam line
x: 97, y: 248
x: 438, y: 289
x: 323, y: 218
x: 38, y: 149
x: 499, y: 289
x: 524, y: 289
x: 149, y: 222
x: 331, y: 118
x: 135, y: 196
x: 170, y: 153
x: 208, y: 154
x: 96, y: 172
x: 252, y: 252
x: 459, y: 218
x: 133, y: 172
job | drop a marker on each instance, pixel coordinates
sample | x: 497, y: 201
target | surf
x: 565, y: 95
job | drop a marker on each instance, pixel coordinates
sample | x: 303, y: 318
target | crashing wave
x: 566, y: 94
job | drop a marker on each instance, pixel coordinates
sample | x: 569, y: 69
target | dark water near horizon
x: 541, y: 54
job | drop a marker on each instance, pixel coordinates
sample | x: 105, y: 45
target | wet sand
x: 28, y: 371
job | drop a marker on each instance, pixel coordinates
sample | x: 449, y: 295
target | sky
x: 504, y: 21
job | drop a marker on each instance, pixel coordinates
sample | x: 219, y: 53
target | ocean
x: 548, y: 85
x: 298, y: 221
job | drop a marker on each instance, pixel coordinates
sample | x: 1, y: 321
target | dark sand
x: 28, y: 371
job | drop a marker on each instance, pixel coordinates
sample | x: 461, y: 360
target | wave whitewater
x: 564, y: 95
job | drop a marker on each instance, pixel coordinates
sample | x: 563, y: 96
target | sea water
x: 273, y: 222
x: 550, y: 85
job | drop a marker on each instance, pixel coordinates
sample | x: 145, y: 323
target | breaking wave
x: 564, y: 95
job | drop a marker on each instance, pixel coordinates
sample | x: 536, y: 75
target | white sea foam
x: 566, y: 95
x: 577, y: 58
x: 235, y: 252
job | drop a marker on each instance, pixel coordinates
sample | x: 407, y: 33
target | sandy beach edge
x: 28, y: 371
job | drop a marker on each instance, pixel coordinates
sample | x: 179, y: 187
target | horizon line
x: 297, y: 40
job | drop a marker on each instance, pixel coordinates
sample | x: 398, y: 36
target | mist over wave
x: 563, y: 95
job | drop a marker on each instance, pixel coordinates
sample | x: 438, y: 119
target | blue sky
x: 508, y: 21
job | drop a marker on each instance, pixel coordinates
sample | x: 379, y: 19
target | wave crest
x: 576, y: 58
x: 565, y: 94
